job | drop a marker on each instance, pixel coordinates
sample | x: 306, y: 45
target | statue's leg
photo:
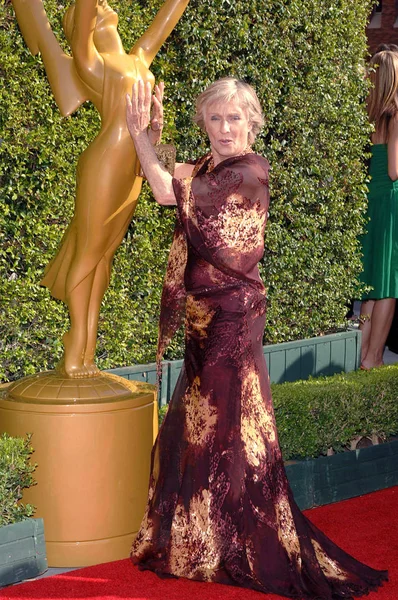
x: 99, y: 287
x: 75, y: 340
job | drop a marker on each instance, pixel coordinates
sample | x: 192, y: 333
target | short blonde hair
x: 383, y: 96
x: 225, y: 90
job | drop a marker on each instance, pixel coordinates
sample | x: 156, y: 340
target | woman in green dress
x: 380, y: 242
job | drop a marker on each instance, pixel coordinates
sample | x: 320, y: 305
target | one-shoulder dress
x: 220, y: 508
x: 380, y: 242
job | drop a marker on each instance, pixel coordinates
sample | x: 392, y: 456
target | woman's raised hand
x: 138, y: 108
x: 156, y: 125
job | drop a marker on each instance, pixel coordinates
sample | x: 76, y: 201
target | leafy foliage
x: 305, y: 60
x: 15, y: 475
x: 328, y: 412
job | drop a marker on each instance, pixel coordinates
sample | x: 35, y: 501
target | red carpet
x: 366, y: 527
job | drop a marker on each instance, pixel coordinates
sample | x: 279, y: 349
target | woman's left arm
x: 138, y: 119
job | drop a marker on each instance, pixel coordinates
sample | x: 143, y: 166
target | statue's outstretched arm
x: 163, y: 24
x: 68, y: 90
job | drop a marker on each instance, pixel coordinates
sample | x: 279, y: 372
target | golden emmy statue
x: 107, y: 186
x: 92, y: 432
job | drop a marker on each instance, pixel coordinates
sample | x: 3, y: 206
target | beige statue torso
x: 109, y: 164
x: 107, y: 185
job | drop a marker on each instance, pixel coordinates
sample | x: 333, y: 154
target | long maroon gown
x: 220, y: 507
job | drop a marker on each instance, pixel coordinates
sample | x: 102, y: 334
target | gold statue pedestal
x: 92, y: 441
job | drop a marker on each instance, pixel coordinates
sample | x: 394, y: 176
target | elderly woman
x: 220, y: 508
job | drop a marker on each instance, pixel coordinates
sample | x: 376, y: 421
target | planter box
x: 327, y: 479
x: 22, y: 551
x: 324, y: 355
x: 290, y: 361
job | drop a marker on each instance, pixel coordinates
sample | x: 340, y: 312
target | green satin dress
x: 380, y: 242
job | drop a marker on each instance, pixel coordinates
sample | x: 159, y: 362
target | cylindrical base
x: 93, y: 455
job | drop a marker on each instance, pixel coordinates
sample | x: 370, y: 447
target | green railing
x: 289, y: 361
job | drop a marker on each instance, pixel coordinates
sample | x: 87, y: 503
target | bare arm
x: 159, y: 179
x: 138, y: 117
x: 68, y: 89
x: 163, y: 24
x: 392, y: 148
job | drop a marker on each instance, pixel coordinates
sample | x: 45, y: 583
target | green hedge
x: 328, y: 412
x: 15, y: 476
x: 305, y: 60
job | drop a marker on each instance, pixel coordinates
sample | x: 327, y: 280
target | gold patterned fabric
x: 220, y: 508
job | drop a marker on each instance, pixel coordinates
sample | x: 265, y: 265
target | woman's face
x: 228, y: 127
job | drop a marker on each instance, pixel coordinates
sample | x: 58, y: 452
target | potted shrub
x: 338, y: 434
x: 22, y: 546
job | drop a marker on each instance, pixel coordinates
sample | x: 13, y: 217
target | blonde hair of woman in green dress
x: 380, y: 248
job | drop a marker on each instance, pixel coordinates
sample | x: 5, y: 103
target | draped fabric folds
x: 220, y: 507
